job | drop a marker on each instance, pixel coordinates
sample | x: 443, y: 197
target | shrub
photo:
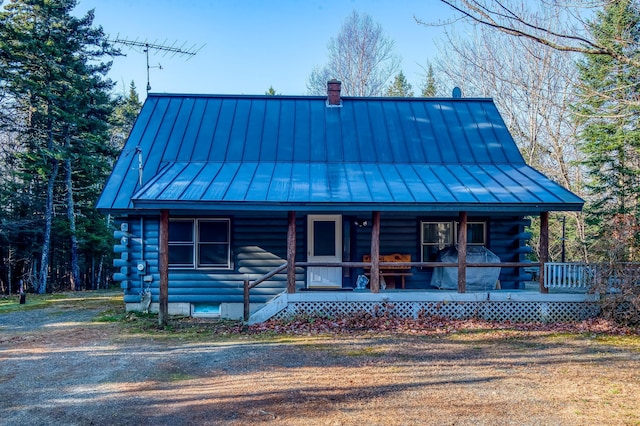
x: 619, y: 287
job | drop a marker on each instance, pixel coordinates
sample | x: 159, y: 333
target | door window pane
x: 324, y: 238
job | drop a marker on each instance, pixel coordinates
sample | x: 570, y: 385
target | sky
x: 247, y: 46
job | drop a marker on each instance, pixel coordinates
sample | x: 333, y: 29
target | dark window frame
x: 196, y: 245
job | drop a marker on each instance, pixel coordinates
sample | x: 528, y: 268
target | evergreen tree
x: 50, y: 68
x: 610, y: 131
x: 400, y: 87
x: 124, y: 116
x: 271, y: 91
x: 429, y: 87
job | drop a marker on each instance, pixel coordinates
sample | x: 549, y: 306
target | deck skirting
x: 491, y: 306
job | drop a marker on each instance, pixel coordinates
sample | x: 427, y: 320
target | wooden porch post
x: 291, y: 253
x: 375, y: 253
x: 544, y: 248
x: 462, y: 252
x: 163, y: 265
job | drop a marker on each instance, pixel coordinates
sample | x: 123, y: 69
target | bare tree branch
x: 502, y: 18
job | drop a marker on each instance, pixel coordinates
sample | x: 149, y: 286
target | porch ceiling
x: 277, y: 186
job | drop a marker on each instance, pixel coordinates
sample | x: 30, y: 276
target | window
x: 199, y: 243
x: 436, y: 236
x: 475, y: 234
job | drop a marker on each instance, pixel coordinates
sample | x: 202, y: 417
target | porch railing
x: 248, y: 284
x: 568, y: 275
x: 576, y: 275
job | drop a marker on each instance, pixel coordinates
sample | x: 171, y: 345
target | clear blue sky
x: 250, y: 45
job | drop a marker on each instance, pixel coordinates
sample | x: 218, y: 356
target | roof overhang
x: 353, y: 187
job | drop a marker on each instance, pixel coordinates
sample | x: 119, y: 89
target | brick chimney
x: 333, y: 92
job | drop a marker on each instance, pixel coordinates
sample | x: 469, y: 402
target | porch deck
x: 496, y: 305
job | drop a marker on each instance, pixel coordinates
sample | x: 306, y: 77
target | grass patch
x: 626, y: 342
x: 10, y: 304
x: 365, y: 351
x: 65, y: 300
x: 178, y: 327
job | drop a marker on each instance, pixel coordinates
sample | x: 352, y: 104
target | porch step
x: 271, y: 308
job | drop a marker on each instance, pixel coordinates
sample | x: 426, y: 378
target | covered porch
x: 377, y: 267
x: 532, y: 302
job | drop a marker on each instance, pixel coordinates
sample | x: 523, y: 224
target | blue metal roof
x: 297, y: 153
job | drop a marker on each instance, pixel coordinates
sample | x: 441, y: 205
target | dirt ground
x: 60, y: 367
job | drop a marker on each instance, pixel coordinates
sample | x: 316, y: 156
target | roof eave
x: 230, y: 206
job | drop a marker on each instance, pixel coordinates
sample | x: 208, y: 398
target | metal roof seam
x: 172, y: 126
x: 470, y: 145
x: 200, y: 167
x: 489, y: 177
x: 543, y: 187
x: 483, y: 188
x: 244, y: 133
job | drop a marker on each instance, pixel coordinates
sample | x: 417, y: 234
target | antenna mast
x: 167, y: 49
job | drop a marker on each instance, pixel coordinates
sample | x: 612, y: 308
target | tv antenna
x: 172, y: 50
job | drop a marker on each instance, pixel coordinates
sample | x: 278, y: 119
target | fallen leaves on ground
x: 427, y: 326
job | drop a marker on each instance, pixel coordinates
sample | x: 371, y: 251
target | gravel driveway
x: 59, y: 367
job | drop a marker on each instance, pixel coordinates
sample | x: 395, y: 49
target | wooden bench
x: 391, y: 271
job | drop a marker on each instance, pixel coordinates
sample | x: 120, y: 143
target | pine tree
x: 271, y: 91
x: 400, y: 87
x: 50, y: 67
x: 124, y: 116
x: 610, y: 132
x: 429, y: 87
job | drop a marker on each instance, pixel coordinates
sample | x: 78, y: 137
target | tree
x: 429, y: 86
x: 610, y: 131
x: 360, y: 56
x: 504, y: 17
x: 51, y: 70
x: 124, y: 115
x: 532, y: 87
x: 400, y: 87
x: 271, y: 91
x: 577, y: 37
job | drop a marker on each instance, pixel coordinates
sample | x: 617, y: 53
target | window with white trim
x: 435, y: 236
x: 200, y: 243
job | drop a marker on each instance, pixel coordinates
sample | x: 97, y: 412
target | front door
x: 324, y: 244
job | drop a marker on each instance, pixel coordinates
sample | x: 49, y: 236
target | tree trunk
x: 99, y: 277
x: 75, y: 267
x: 48, y: 220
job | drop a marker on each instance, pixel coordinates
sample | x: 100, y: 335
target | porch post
x: 163, y: 265
x: 375, y: 253
x: 462, y: 252
x: 291, y: 253
x: 544, y: 248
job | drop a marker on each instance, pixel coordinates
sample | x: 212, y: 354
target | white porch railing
x: 568, y: 275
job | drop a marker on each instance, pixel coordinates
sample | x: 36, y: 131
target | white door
x: 324, y: 244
